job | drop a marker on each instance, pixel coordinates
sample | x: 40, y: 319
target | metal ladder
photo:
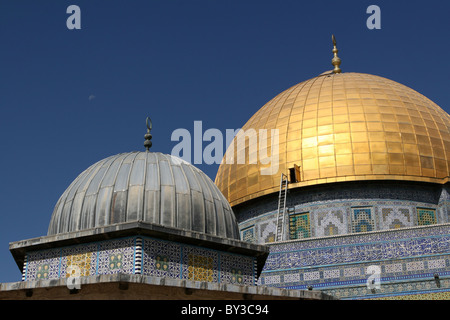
x: 281, y: 207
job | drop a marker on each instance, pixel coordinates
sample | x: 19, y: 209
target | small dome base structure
x: 140, y: 248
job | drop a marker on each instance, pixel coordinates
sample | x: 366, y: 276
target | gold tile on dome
x: 408, y: 138
x: 310, y: 132
x: 343, y: 148
x: 406, y: 128
x: 426, y: 162
x: 361, y: 158
x: 326, y: 150
x: 325, y: 139
x: 293, y: 156
x: 325, y: 130
x: 359, y: 137
x: 420, y: 130
x: 374, y: 126
x: 387, y: 118
x: 309, y: 142
x: 438, y: 153
x: 363, y: 169
x: 340, y: 110
x: 412, y: 160
x: 294, y: 135
x: 425, y: 150
x: 428, y: 172
x: 327, y: 172
x: 310, y: 174
x: 360, y: 147
x: 413, y: 171
x: 391, y: 127
x: 393, y: 136
x: 309, y: 123
x: 344, y: 160
x: 397, y: 169
x: 380, y: 169
x: 310, y: 115
x: 394, y: 147
x: 378, y: 147
x: 396, y: 158
x: 296, y: 118
x: 358, y: 126
x: 325, y: 120
x: 344, y: 171
x: 436, y: 142
x: 327, y: 161
x: 440, y: 165
x: 343, y: 137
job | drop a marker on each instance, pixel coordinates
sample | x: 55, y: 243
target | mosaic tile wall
x: 175, y: 260
x: 332, y: 208
x: 320, y: 219
x: 159, y: 258
x: 406, y: 259
x: 413, y: 289
x: 425, y: 193
x: 106, y: 257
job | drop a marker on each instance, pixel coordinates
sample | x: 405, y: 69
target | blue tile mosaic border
x: 161, y: 258
x: 339, y: 262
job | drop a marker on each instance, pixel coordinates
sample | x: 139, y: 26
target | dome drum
x: 331, y: 209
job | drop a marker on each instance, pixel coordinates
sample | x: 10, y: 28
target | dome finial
x: 148, y: 136
x: 336, y: 62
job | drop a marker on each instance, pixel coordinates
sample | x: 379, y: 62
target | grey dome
x: 144, y: 186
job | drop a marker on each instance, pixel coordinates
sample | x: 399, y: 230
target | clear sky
x: 69, y: 98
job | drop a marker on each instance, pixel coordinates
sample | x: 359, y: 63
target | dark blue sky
x: 176, y: 61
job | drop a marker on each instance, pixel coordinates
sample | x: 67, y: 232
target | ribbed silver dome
x: 144, y: 186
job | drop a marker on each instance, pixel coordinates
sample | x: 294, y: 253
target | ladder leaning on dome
x: 281, y: 207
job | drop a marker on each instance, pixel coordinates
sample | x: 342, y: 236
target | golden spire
x: 336, y: 62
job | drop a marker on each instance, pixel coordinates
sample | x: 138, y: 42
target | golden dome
x: 344, y: 127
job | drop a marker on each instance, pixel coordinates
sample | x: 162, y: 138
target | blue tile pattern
x: 160, y: 258
x: 339, y: 264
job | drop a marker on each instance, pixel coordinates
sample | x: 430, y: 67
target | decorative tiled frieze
x: 341, y: 217
x: 340, y: 264
x: 142, y: 255
x: 236, y: 269
x: 79, y: 260
x: 356, y: 274
x: 425, y: 289
x: 342, y: 192
x: 43, y: 259
x: 161, y: 258
x: 364, y: 252
x: 116, y: 256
